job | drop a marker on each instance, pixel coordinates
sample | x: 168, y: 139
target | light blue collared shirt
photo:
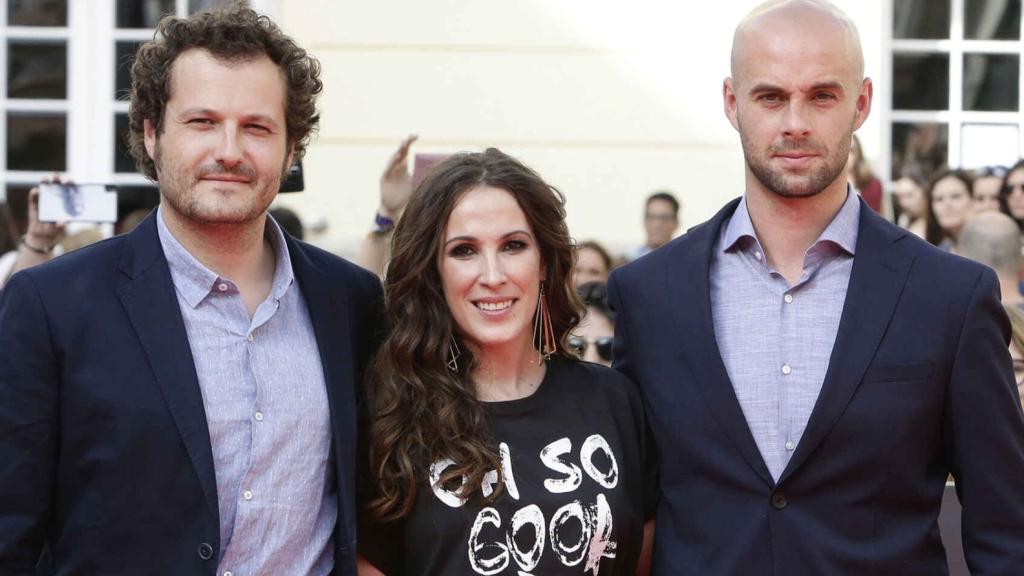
x: 776, y: 339
x: 266, y: 407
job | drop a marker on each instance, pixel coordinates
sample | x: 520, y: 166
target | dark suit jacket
x: 104, y: 449
x: 919, y: 385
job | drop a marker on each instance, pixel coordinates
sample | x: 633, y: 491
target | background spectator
x: 949, y: 199
x: 8, y: 243
x: 912, y: 206
x: 1016, y: 315
x: 993, y: 239
x: 37, y: 244
x: 863, y: 178
x: 593, y: 263
x: 985, y: 192
x: 1012, y: 194
x: 592, y: 338
x: 395, y: 190
x: 661, y: 219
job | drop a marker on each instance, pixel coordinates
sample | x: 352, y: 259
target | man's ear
x: 149, y: 137
x: 729, y: 102
x: 863, y: 103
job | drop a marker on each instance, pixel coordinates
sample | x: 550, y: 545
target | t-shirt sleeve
x: 648, y: 454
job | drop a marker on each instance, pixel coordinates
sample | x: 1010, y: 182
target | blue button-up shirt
x: 266, y: 406
x: 776, y: 339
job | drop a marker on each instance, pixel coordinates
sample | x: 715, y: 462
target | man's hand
x: 396, y: 181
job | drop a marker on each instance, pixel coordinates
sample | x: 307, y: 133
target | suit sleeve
x: 984, y: 436
x: 29, y: 432
x: 622, y: 361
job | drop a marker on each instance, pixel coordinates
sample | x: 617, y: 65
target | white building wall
x: 607, y: 100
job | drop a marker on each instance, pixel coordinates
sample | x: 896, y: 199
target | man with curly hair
x: 181, y: 399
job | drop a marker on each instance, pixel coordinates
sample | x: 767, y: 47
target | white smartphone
x: 77, y: 203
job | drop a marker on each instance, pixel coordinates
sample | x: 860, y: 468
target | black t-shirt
x: 578, y: 489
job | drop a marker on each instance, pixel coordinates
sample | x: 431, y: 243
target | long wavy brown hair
x: 420, y: 410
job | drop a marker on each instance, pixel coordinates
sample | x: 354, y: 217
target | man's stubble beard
x: 780, y: 184
x: 176, y: 185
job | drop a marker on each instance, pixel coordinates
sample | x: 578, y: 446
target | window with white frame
x: 65, y: 73
x: 956, y: 90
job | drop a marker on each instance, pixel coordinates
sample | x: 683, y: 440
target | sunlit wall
x: 607, y: 100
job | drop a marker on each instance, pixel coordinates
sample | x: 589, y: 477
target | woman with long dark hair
x: 492, y: 448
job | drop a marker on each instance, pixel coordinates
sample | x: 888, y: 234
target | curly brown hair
x: 236, y: 34
x: 420, y: 411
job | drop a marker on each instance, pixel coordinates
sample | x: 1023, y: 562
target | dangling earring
x: 543, y: 331
x: 453, y: 355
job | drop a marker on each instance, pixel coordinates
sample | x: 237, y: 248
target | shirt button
x: 788, y: 298
x: 758, y: 255
x: 228, y: 573
x: 222, y: 287
x: 786, y: 369
x: 790, y: 446
x: 250, y: 337
x: 247, y: 495
x: 258, y: 416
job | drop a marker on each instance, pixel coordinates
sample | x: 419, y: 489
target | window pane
x: 988, y: 145
x: 920, y: 81
x: 991, y: 82
x: 142, y: 13
x: 921, y: 19
x: 992, y: 19
x: 923, y: 145
x: 201, y: 5
x: 124, y: 56
x: 37, y: 12
x: 36, y: 141
x: 123, y: 160
x: 37, y: 70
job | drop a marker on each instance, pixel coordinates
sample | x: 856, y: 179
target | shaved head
x: 796, y: 94
x: 992, y: 238
x: 776, y: 17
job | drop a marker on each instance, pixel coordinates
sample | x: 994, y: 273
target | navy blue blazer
x: 919, y: 386
x: 104, y: 448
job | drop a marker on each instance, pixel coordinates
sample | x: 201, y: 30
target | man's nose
x: 795, y: 120
x: 229, y: 149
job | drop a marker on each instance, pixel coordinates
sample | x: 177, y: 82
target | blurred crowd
x: 977, y: 214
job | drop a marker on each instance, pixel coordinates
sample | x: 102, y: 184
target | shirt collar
x: 195, y: 281
x: 841, y: 231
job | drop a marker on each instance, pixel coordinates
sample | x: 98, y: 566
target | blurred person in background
x: 985, y: 192
x: 1011, y: 197
x: 592, y: 338
x: 395, y: 190
x: 863, y: 178
x: 912, y: 204
x: 993, y: 239
x: 950, y: 205
x: 35, y: 247
x: 593, y: 263
x: 1016, y: 315
x: 661, y: 220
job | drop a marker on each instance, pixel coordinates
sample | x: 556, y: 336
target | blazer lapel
x: 877, y: 279
x: 149, y: 299
x: 689, y: 282
x: 327, y: 307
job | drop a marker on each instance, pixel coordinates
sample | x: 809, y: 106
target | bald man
x: 812, y: 373
x: 993, y: 239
